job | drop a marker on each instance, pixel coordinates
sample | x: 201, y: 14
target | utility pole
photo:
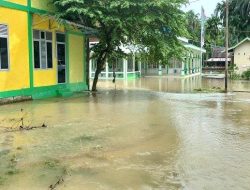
x: 226, y: 36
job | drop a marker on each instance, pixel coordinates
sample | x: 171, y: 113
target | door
x: 61, y: 58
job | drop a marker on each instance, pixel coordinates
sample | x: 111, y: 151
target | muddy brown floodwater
x: 138, y: 136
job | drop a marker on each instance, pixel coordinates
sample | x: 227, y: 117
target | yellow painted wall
x: 76, y: 49
x: 20, y: 2
x: 242, y: 56
x: 42, y: 4
x: 17, y: 77
x: 46, y: 77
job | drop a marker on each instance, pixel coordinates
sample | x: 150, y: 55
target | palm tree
x: 239, y: 19
x: 213, y: 27
x: 243, y: 7
x: 193, y: 26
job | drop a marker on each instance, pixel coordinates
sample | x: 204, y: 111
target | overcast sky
x: 209, y: 6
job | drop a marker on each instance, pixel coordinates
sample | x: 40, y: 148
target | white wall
x: 242, y: 56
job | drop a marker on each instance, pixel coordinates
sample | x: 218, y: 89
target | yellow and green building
x: 39, y: 57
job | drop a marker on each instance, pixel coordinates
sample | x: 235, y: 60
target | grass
x: 51, y: 164
x: 2, y: 180
x: 210, y: 90
x: 85, y: 138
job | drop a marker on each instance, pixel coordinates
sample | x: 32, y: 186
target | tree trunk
x: 97, y: 72
x: 100, y: 67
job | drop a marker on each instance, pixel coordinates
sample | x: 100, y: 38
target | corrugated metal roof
x: 217, y: 60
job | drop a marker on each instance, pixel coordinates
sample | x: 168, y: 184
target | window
x: 43, y: 53
x: 4, y: 53
x: 60, y: 37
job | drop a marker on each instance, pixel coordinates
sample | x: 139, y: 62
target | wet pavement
x: 138, y: 136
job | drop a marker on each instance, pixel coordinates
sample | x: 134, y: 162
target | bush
x: 246, y: 75
x: 235, y: 76
x: 232, y: 70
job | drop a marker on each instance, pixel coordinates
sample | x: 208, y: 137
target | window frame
x: 8, y: 49
x: 56, y: 53
x: 40, y: 47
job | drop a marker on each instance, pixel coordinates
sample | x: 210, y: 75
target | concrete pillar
x: 140, y: 67
x: 191, y: 64
x: 195, y: 63
x: 133, y: 62
x: 125, y: 68
x: 106, y: 70
x: 160, y: 70
x: 188, y: 65
x: 182, y: 68
x: 200, y: 64
x: 90, y: 68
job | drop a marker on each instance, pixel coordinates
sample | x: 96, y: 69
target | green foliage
x: 239, y: 22
x: 232, y: 70
x: 193, y: 25
x: 214, y: 33
x: 209, y: 90
x: 246, y: 75
x: 50, y: 164
x: 2, y: 180
x: 151, y: 24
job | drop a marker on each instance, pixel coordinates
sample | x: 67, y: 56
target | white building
x: 191, y: 64
x: 124, y: 68
x: 241, y: 55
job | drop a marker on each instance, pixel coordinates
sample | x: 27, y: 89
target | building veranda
x: 189, y: 65
x: 133, y: 66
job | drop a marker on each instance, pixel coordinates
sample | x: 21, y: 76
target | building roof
x: 232, y: 48
x: 86, y: 30
x: 186, y: 44
x: 217, y: 60
x: 191, y: 46
x: 218, y: 52
x: 183, y: 39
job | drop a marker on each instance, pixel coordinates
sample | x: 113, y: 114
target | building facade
x: 39, y: 57
x: 123, y: 68
x: 217, y: 62
x: 189, y: 65
x: 241, y: 55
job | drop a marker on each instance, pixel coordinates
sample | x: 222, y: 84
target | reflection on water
x: 137, y: 138
x: 176, y: 85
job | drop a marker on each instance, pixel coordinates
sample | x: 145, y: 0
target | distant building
x: 217, y: 62
x: 132, y: 67
x: 241, y: 55
x: 189, y: 65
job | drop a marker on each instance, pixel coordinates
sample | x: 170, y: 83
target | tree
x: 145, y: 23
x: 214, y: 34
x: 243, y: 7
x: 193, y: 25
x: 239, y: 22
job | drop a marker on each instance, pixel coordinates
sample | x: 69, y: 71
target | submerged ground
x: 138, y: 136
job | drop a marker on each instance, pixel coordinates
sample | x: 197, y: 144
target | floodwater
x: 138, y: 136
